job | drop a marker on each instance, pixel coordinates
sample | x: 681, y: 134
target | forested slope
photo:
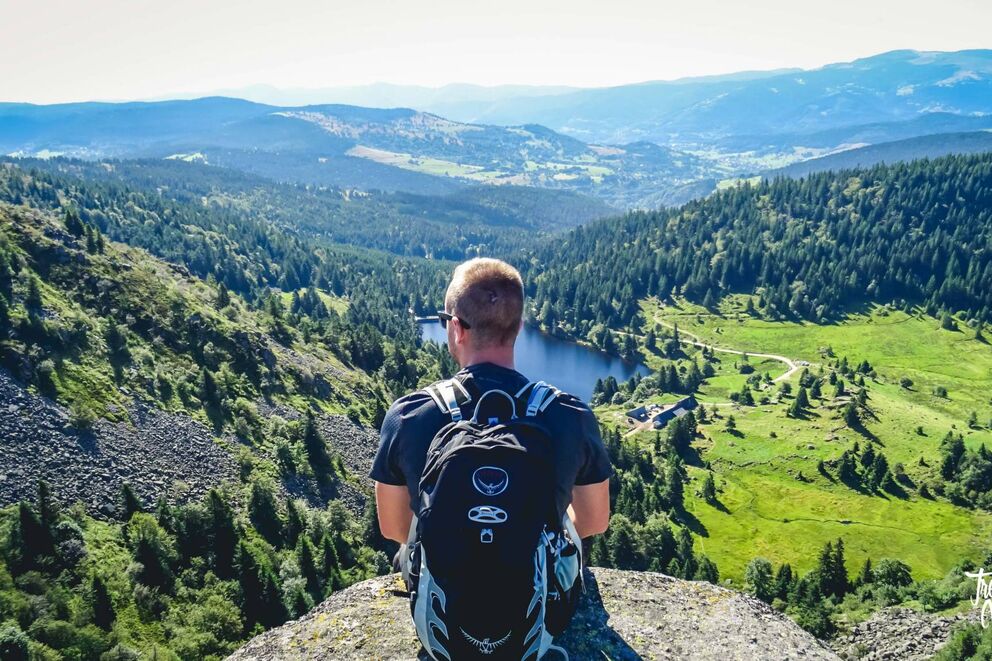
x: 813, y: 248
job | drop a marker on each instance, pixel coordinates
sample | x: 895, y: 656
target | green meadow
x: 773, y: 501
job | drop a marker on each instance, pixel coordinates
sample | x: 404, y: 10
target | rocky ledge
x: 900, y: 634
x: 623, y: 615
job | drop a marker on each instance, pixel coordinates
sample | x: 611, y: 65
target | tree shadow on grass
x: 896, y: 490
x: 822, y: 470
x: 719, y: 506
x: 689, y: 520
x: 905, y: 480
x: 691, y: 457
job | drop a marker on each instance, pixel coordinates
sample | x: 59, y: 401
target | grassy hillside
x: 115, y: 318
x: 774, y: 502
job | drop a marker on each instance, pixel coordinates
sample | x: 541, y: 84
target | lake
x: 569, y: 366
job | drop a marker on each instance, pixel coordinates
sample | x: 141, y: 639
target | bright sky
x: 66, y: 50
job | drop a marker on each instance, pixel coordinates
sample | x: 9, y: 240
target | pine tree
x: 294, y: 523
x: 846, y: 470
x: 31, y: 543
x: 658, y: 542
x: 841, y: 583
x: 32, y: 300
x: 330, y: 566
x: 306, y: 557
x: 152, y: 550
x: 130, y: 504
x: 674, y: 486
x: 209, y: 392
x: 261, y: 600
x: 851, y: 416
x: 223, y: 297
x: 48, y: 507
x: 73, y: 224
x: 101, y: 604
x: 784, y: 580
x: 316, y: 450
x: 263, y: 511
x: 621, y: 544
x: 758, y: 579
x: 224, y: 534
x: 865, y: 574
x: 709, y: 489
x: 802, y: 399
x: 706, y: 571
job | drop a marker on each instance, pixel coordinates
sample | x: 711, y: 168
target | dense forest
x: 811, y: 248
x: 465, y: 223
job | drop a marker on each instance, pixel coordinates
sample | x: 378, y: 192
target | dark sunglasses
x: 444, y: 318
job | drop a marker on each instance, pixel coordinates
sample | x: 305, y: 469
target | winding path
x: 793, y: 366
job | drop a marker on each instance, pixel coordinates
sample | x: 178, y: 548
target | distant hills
x: 348, y: 146
x: 927, y: 146
x: 633, y: 146
x: 891, y: 87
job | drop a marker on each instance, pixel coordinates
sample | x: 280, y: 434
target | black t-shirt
x: 413, y: 420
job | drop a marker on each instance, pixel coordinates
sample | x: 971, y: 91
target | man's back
x: 414, y: 419
x: 501, y: 503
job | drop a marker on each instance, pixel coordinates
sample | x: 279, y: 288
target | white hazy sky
x: 67, y: 50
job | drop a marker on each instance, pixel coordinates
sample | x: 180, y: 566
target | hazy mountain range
x: 637, y: 145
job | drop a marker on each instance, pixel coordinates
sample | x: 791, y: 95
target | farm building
x: 676, y: 410
x: 640, y: 413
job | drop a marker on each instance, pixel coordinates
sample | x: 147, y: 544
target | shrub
x: 13, y: 643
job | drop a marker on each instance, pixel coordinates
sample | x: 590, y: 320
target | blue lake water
x: 569, y: 366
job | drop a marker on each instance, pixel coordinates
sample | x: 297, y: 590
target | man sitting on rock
x: 513, y: 464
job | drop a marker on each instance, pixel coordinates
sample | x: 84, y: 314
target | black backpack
x: 494, y: 571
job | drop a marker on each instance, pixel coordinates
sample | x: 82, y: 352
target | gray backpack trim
x: 450, y: 396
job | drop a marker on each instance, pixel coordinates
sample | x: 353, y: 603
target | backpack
x: 493, y: 572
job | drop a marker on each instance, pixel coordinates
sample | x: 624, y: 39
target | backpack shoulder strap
x: 538, y: 396
x: 450, y: 395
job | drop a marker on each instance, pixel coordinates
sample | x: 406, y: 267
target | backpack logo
x: 486, y: 645
x: 490, y: 480
x: 487, y: 514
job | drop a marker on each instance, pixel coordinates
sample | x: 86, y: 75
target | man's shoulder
x: 567, y: 406
x: 413, y: 402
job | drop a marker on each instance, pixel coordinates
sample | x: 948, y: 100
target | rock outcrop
x: 900, y: 634
x: 624, y: 615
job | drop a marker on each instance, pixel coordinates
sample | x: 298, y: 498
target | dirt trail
x: 695, y: 341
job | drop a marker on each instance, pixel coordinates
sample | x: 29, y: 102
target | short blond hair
x: 488, y: 294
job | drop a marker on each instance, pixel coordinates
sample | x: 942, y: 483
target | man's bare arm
x: 590, y: 508
x: 393, y: 505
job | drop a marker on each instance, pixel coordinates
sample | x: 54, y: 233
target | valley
x: 208, y: 305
